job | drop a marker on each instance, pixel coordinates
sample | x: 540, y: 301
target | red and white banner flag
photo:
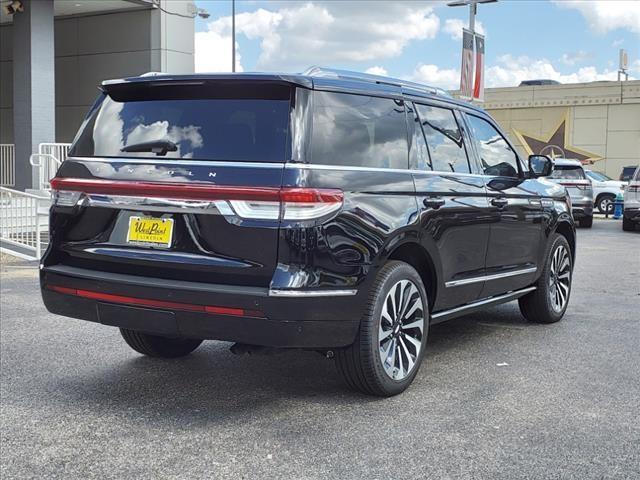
x: 466, y: 72
x: 478, y: 84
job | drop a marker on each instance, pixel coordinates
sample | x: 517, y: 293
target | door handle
x: 499, y: 202
x: 433, y: 202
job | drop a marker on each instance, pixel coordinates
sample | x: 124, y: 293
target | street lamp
x: 473, y: 9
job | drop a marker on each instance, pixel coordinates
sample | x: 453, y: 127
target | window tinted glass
x: 444, y: 139
x: 574, y: 173
x: 418, y: 152
x: 357, y: 130
x: 496, y: 156
x: 243, y: 129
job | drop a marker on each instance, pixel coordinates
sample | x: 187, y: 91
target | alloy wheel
x: 401, y: 329
x: 559, y: 278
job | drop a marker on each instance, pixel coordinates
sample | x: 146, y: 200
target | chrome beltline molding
x: 486, y: 278
x: 276, y: 292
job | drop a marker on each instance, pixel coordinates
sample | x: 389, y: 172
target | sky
x: 566, y: 40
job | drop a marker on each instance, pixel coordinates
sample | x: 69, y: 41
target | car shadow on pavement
x: 213, y: 386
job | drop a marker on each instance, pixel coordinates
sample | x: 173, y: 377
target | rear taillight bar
x: 265, y: 203
x: 161, y: 304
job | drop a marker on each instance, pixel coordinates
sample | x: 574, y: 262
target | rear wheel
x: 605, y: 203
x: 628, y: 225
x: 549, y: 301
x: 586, y: 222
x: 389, y: 348
x: 156, y: 346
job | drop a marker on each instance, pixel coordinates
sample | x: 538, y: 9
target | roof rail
x: 367, y: 77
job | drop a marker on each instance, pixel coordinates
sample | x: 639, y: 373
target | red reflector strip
x: 145, y: 302
x: 196, y: 191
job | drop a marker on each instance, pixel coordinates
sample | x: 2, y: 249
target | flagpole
x: 233, y: 35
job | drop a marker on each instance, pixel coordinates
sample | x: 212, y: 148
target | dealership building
x: 597, y: 123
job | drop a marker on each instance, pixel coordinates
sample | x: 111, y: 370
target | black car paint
x: 462, y: 234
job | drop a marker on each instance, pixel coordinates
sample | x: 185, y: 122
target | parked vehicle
x: 627, y: 173
x: 605, y: 190
x: 331, y: 211
x: 631, y: 214
x: 571, y: 175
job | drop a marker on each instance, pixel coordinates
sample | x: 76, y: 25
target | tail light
x: 256, y: 203
x: 633, y: 187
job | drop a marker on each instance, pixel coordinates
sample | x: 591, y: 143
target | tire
x: 628, y: 225
x: 156, y: 346
x: 404, y: 337
x: 605, y: 202
x: 586, y: 222
x: 541, y: 305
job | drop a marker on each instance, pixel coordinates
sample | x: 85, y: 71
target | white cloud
x: 454, y: 26
x: 324, y: 32
x: 376, y: 70
x: 436, y: 77
x: 572, y: 58
x: 213, y: 52
x: 510, y: 71
x: 606, y: 15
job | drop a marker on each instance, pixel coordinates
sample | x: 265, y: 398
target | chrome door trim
x: 486, y: 302
x: 275, y: 292
x: 487, y: 278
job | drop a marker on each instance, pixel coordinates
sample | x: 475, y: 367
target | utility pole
x: 233, y: 35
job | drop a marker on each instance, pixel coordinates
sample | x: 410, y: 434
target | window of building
x: 357, y: 130
x: 444, y: 139
x: 496, y: 156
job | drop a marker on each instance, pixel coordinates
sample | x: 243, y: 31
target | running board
x: 445, y: 315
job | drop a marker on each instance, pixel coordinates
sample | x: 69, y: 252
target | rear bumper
x: 632, y: 214
x: 299, y: 322
x: 582, y: 209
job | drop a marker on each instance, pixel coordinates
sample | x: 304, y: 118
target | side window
x: 418, y: 151
x: 356, y: 130
x: 496, y: 156
x: 444, y: 139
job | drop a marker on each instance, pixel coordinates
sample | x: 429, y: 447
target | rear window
x: 568, y: 172
x: 358, y: 130
x: 239, y: 123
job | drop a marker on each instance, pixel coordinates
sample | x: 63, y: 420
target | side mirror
x: 540, y: 165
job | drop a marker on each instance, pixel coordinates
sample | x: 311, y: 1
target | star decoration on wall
x: 557, y: 145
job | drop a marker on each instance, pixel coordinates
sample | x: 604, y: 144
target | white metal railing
x: 47, y: 161
x: 7, y: 165
x: 24, y: 222
x: 46, y: 166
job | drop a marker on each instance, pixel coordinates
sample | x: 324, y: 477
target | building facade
x: 597, y: 123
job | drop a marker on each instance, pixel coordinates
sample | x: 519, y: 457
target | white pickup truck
x: 605, y: 190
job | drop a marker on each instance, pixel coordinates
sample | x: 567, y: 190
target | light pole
x: 233, y: 35
x: 473, y: 9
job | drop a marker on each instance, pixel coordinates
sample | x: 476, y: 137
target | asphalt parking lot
x: 496, y: 398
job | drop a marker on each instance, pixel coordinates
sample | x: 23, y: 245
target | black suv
x: 330, y: 211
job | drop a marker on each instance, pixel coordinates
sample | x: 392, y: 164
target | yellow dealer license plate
x: 150, y: 231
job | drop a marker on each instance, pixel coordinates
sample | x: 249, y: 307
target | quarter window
x: 444, y: 139
x: 496, y: 156
x: 357, y: 130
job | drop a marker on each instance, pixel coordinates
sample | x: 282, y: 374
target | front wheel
x: 390, y: 345
x: 548, y: 302
x: 628, y: 225
x: 156, y: 346
x: 605, y: 203
x: 586, y: 222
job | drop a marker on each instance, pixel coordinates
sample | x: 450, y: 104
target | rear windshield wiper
x: 159, y: 147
